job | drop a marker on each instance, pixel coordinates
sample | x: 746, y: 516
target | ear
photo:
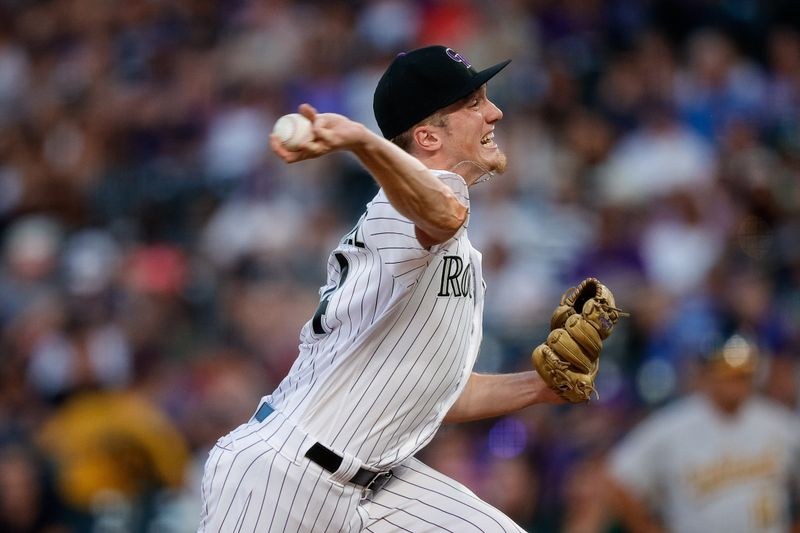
x: 427, y: 138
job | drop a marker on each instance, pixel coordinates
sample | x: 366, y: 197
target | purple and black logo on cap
x: 458, y: 58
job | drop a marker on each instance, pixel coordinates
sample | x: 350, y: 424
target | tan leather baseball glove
x: 569, y: 359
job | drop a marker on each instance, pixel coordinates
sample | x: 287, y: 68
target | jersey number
x: 316, y: 322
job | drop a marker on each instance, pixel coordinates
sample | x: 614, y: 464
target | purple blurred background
x: 158, y: 261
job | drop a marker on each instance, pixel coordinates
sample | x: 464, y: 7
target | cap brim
x: 478, y: 80
x: 475, y: 83
x: 489, y: 73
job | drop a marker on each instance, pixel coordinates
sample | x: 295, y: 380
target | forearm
x: 409, y: 185
x: 633, y: 513
x: 487, y: 396
x: 412, y: 188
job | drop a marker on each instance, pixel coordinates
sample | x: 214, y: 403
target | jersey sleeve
x: 636, y: 461
x: 393, y: 236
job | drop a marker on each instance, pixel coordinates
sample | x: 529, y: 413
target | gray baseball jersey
x: 386, y: 354
x: 703, y: 472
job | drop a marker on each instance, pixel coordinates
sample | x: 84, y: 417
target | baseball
x: 293, y: 130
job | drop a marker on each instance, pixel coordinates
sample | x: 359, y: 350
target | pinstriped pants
x: 257, y: 479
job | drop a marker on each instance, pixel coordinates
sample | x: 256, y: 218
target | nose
x: 494, y: 113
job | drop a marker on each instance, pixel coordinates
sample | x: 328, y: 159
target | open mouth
x: 488, y: 140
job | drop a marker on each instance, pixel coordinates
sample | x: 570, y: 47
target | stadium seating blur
x: 156, y: 254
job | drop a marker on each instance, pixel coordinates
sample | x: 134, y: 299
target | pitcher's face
x: 469, y: 137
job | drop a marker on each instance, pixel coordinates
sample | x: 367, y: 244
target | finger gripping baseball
x: 294, y: 131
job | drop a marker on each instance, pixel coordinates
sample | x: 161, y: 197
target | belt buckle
x: 380, y: 479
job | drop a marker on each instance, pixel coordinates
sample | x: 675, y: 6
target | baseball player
x: 387, y: 356
x: 719, y: 460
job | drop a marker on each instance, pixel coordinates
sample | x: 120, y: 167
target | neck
x: 475, y: 176
x: 472, y: 171
x: 727, y: 408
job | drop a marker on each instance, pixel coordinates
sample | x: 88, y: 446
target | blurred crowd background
x: 158, y: 261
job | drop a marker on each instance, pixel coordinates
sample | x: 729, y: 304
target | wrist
x: 542, y: 392
x: 365, y: 140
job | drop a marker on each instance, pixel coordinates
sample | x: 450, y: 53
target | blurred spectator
x: 783, y: 86
x: 656, y: 159
x: 718, y: 86
x: 389, y: 25
x: 586, y: 498
x: 111, y: 448
x: 679, y: 247
x: 27, y: 500
x: 512, y: 484
x: 77, y: 356
x: 30, y: 257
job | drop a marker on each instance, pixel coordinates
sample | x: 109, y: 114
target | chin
x: 498, y: 163
x: 502, y: 162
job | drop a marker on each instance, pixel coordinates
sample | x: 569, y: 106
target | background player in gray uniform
x: 387, y: 357
x: 720, y: 460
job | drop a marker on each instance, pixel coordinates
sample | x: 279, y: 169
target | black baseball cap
x: 422, y: 81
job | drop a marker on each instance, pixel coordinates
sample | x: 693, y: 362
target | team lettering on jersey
x: 457, y: 280
x: 729, y: 470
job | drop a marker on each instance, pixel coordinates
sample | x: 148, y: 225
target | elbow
x: 450, y: 218
x: 439, y: 231
x: 457, y: 216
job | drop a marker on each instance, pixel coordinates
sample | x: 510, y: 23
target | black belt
x: 331, y: 461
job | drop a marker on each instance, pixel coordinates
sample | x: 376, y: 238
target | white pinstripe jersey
x: 393, y: 341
